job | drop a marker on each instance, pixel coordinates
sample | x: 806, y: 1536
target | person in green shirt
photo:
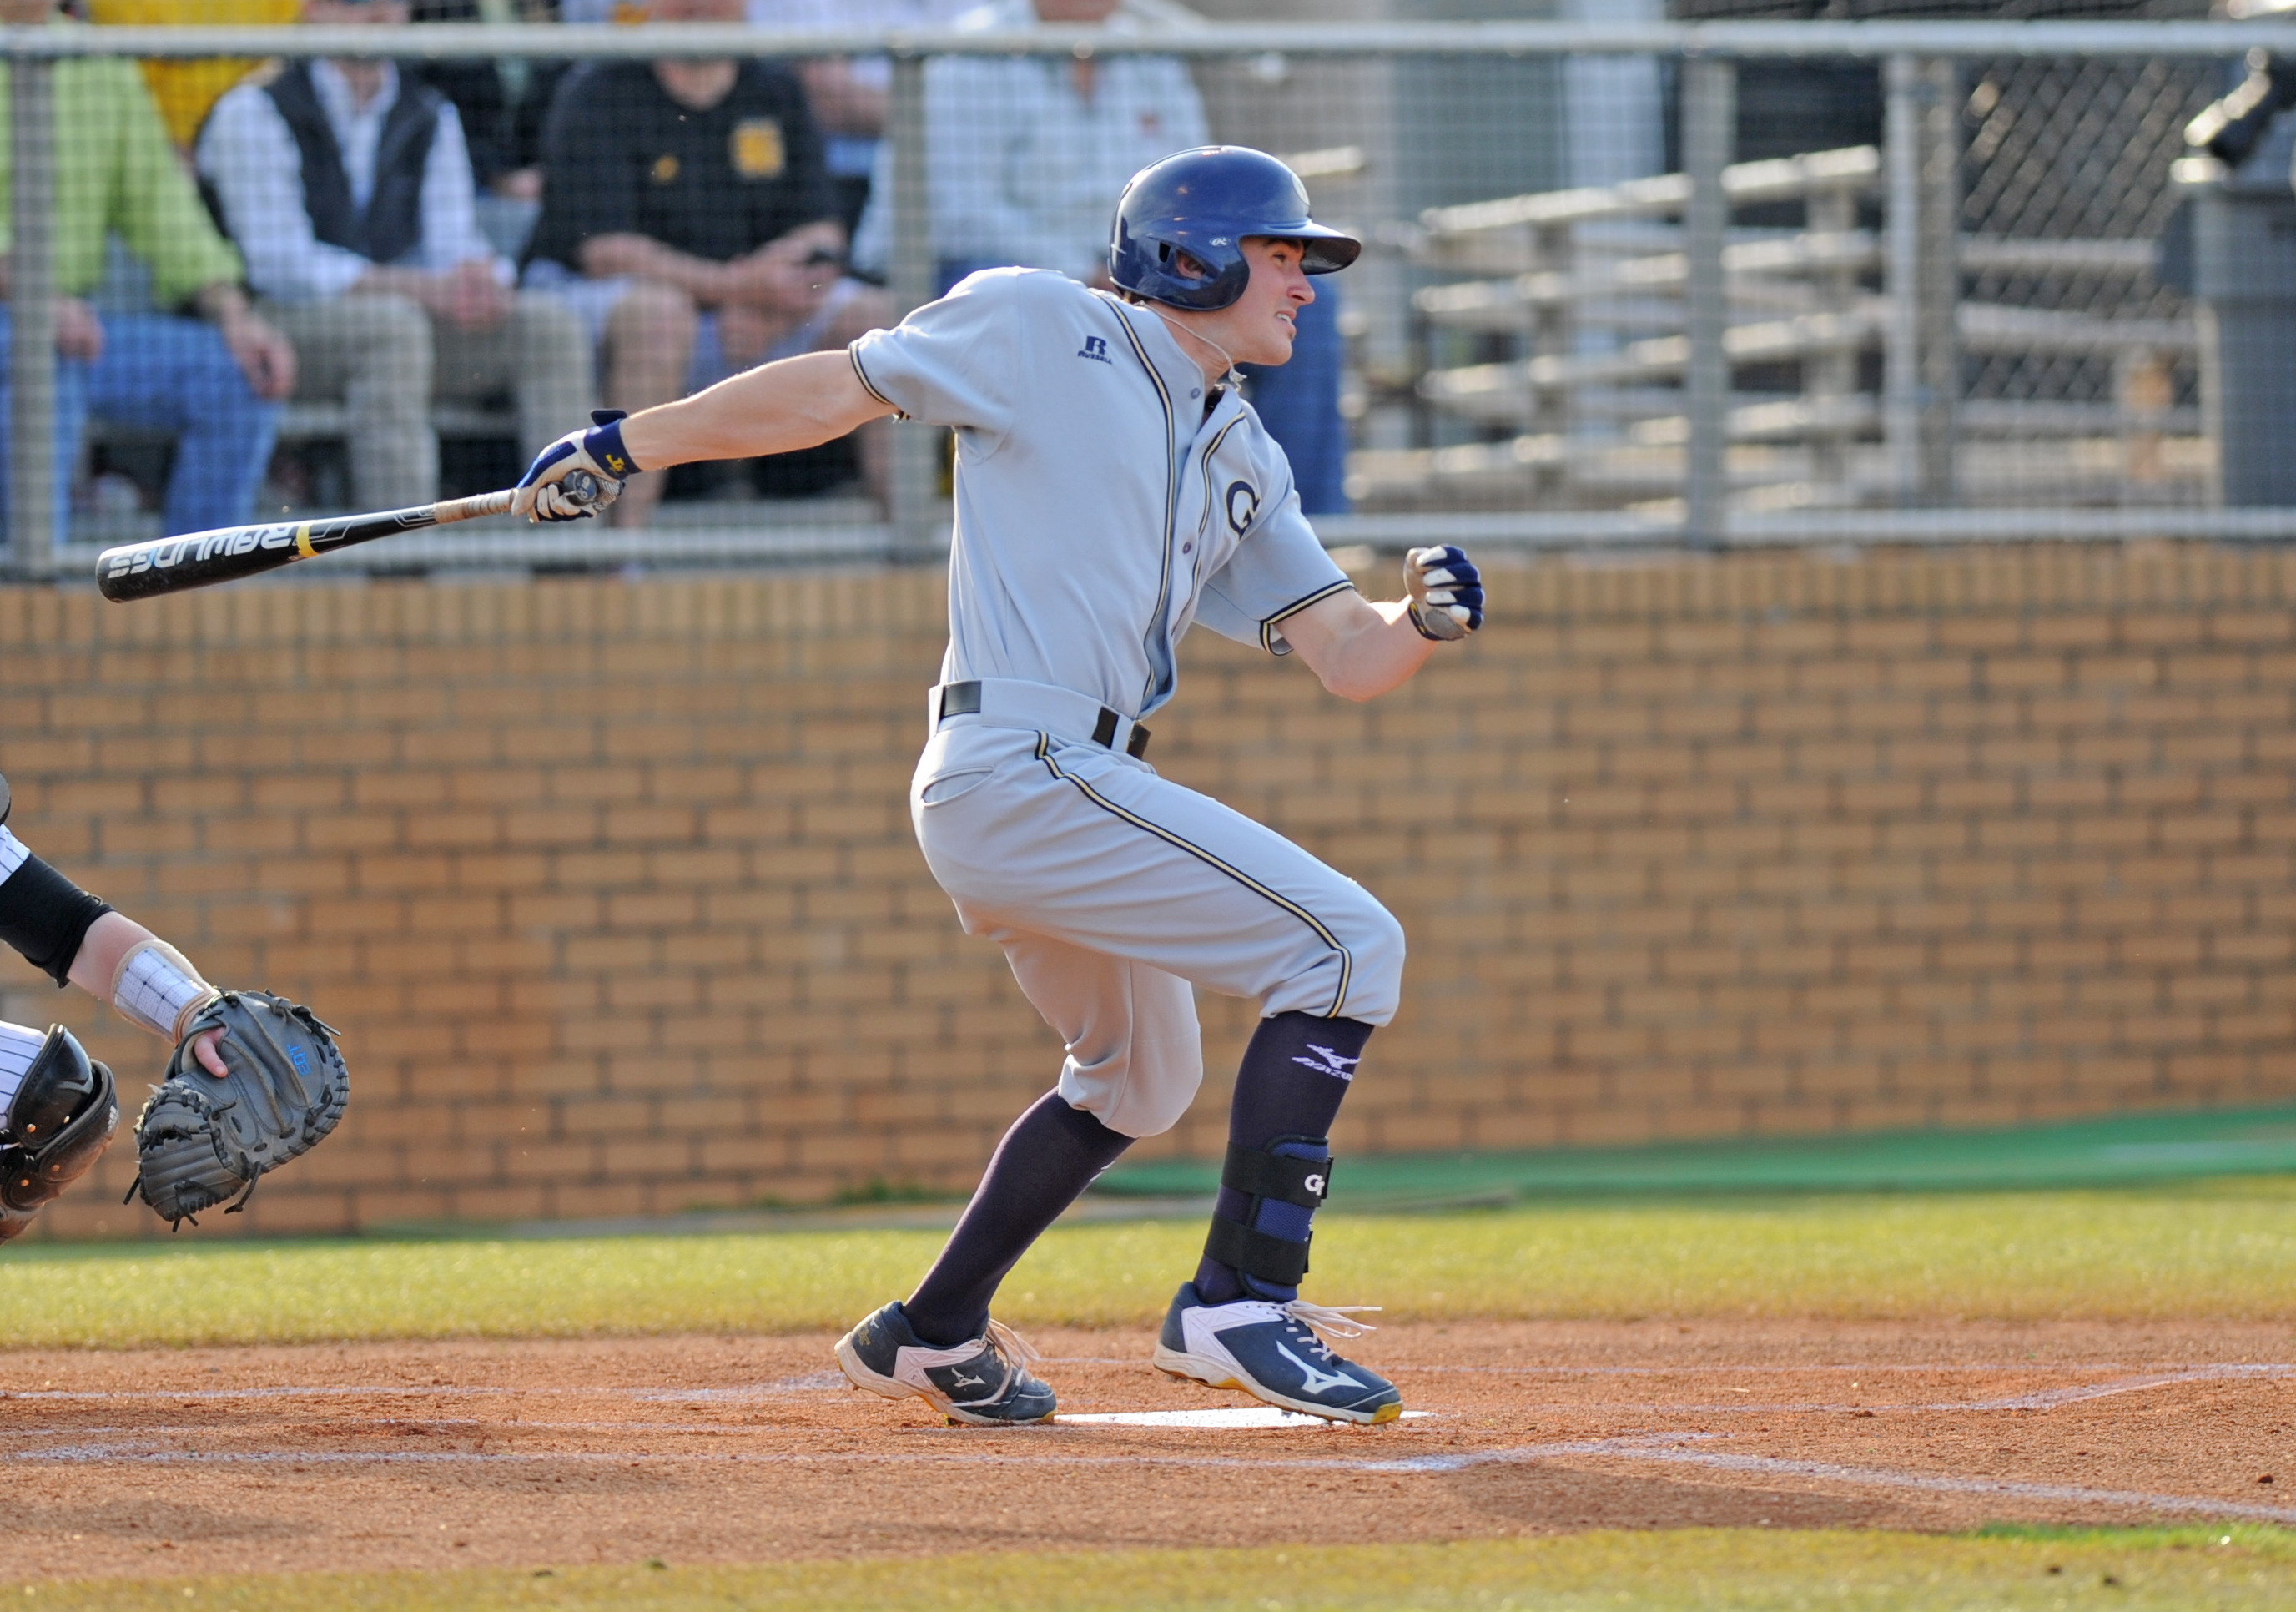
x: 209, y: 371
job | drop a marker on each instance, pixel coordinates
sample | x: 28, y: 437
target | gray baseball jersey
x: 1100, y: 512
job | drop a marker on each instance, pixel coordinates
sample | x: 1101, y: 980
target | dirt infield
x: 727, y: 1450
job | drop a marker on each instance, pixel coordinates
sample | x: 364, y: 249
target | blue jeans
x: 161, y: 373
x: 1299, y: 402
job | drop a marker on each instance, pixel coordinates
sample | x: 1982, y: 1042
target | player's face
x: 1258, y: 325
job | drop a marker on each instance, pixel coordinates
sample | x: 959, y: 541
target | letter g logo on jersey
x: 1242, y: 506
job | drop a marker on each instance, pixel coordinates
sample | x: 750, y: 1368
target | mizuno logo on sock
x: 1312, y: 1381
x: 1330, y: 1063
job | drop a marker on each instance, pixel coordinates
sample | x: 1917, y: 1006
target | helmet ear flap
x: 1177, y: 275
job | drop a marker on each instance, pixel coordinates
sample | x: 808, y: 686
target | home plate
x: 1223, y: 1416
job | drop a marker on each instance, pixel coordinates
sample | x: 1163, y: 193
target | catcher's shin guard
x: 61, y: 1116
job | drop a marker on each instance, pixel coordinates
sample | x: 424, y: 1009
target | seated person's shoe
x: 1273, y: 1352
x: 986, y: 1382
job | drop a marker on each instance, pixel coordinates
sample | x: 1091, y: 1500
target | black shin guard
x: 1283, y: 1184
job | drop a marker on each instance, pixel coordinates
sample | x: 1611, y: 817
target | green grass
x: 1745, y: 1568
x: 2223, y: 1249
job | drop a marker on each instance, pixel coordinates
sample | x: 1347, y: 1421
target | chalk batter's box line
x: 2047, y: 1398
x: 1664, y: 1447
x: 819, y: 1382
x: 833, y: 1382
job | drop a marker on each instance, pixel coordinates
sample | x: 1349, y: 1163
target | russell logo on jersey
x: 1096, y: 346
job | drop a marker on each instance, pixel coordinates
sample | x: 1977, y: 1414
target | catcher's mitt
x: 199, y: 1140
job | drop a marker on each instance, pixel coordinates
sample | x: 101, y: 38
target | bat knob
x: 581, y: 486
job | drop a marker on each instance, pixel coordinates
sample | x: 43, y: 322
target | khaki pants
x: 386, y: 359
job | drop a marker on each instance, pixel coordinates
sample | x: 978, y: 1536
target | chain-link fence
x: 1626, y: 283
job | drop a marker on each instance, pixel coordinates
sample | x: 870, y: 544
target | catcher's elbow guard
x: 62, y: 1117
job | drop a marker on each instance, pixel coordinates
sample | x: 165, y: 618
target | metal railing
x: 1919, y: 321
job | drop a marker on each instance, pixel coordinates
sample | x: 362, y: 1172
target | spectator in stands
x: 1024, y: 152
x: 187, y: 87
x: 349, y: 188
x: 686, y: 213
x: 501, y: 103
x: 848, y: 93
x: 209, y: 374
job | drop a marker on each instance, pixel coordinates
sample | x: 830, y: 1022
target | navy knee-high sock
x: 1043, y: 1165
x: 1294, y: 1075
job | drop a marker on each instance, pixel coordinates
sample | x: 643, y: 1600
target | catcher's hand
x: 201, y: 1139
x: 1446, y: 592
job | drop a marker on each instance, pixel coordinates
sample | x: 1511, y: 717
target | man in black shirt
x: 686, y: 212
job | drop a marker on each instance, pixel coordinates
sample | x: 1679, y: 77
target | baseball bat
x: 143, y: 570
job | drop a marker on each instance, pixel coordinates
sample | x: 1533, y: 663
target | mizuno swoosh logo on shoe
x: 970, y: 1382
x: 1312, y: 1381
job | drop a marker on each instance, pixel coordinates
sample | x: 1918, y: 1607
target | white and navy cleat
x: 986, y: 1382
x: 1274, y: 1353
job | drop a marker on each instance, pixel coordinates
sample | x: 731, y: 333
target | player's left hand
x: 283, y: 1089
x: 599, y: 451
x: 1446, y: 592
x: 205, y: 1054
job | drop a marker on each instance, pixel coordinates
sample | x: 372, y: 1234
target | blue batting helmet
x: 1204, y: 203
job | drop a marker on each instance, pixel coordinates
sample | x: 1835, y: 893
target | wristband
x: 1419, y: 625
x: 603, y: 443
x: 156, y: 987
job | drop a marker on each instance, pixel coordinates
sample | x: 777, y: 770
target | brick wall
x: 612, y: 888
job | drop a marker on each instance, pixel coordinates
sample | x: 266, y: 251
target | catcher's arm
x: 148, y: 983
x: 76, y: 937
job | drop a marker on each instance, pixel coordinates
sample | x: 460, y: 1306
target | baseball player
x: 1113, y: 490
x: 58, y: 1108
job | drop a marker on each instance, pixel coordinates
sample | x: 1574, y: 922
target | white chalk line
x: 827, y: 1382
x: 143, y: 1454
x: 1658, y: 1447
x: 2044, y: 1399
x: 815, y: 1382
x: 2000, y: 1368
x: 461, y: 1426
x: 137, y: 1452
x: 1884, y: 1477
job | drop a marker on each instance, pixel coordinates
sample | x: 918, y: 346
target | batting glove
x: 1446, y: 592
x: 599, y: 451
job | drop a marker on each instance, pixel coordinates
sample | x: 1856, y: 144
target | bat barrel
x: 138, y: 570
x: 143, y: 570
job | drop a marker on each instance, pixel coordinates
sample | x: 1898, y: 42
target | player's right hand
x: 598, y: 450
